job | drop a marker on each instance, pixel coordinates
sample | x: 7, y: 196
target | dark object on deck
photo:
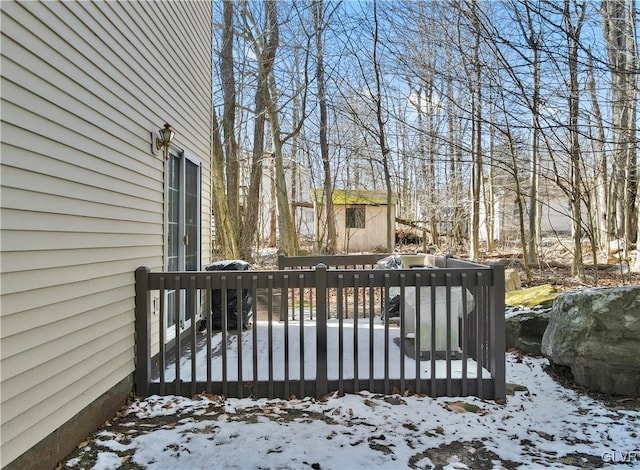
x: 232, y: 299
x: 394, y: 307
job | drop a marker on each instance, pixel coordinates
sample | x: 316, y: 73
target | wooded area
x: 479, y: 116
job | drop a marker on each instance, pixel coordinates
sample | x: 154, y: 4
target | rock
x: 596, y: 333
x: 511, y: 280
x: 621, y: 268
x: 616, y: 251
x: 539, y: 296
x: 524, y: 330
x: 616, y: 246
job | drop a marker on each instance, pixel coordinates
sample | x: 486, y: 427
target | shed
x: 361, y: 219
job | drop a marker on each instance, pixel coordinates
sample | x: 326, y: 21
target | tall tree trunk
x: 534, y: 201
x: 288, y: 238
x: 229, y: 117
x: 476, y: 141
x: 601, y: 179
x: 226, y: 233
x: 382, y: 140
x: 618, y: 24
x: 318, y: 14
x: 573, y: 38
x: 265, y: 56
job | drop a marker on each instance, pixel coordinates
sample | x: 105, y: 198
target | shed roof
x: 348, y: 197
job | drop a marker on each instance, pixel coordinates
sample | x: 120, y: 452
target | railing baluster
x: 143, y: 331
x: 301, y: 293
x: 270, y: 331
x: 223, y: 313
x: 463, y: 332
x: 340, y: 308
x: 192, y: 315
x: 402, y: 331
x: 417, y: 336
x: 239, y: 325
x: 497, y: 339
x: 386, y: 334
x: 162, y: 336
x: 285, y: 286
x: 432, y: 348
x: 207, y: 319
x: 448, y: 328
x: 254, y: 333
x: 479, y: 336
x: 321, y: 326
x: 177, y: 350
x: 371, y: 336
x: 356, y: 309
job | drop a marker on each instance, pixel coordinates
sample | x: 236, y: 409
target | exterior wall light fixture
x: 163, y: 138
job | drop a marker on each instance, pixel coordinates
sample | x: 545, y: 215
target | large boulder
x: 511, y: 280
x: 524, y: 329
x: 596, y: 332
x: 538, y: 296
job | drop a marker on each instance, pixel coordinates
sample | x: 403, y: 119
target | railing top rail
x: 480, y: 275
x: 329, y: 260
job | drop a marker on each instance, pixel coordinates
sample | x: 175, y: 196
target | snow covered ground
x: 547, y: 426
x: 365, y: 335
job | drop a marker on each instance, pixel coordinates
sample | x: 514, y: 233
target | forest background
x: 465, y: 110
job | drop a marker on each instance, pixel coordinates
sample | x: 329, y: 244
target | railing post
x: 322, y: 386
x: 143, y: 332
x: 496, y: 328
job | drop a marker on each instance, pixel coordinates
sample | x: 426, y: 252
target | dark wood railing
x: 326, y: 329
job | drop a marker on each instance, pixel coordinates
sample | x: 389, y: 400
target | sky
x: 542, y: 426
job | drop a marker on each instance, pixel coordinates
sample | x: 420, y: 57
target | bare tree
x: 319, y: 25
x: 618, y: 26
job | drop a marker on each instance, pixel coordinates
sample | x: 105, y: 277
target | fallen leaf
x: 462, y: 407
x: 440, y: 430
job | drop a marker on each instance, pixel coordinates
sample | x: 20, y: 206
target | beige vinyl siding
x: 82, y: 195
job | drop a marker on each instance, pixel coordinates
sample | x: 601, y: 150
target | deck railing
x: 327, y: 329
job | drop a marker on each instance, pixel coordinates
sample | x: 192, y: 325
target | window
x: 355, y: 217
x: 183, y: 229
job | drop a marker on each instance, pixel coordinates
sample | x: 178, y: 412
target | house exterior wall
x: 372, y: 236
x: 82, y: 194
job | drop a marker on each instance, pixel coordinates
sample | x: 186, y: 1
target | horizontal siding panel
x: 15, y: 303
x: 140, y: 187
x: 13, y: 219
x: 51, y: 313
x: 48, y: 259
x: 58, y: 125
x: 80, y: 62
x: 18, y: 141
x: 67, y: 275
x: 50, y: 186
x: 18, y: 240
x: 20, y: 83
x: 46, y: 416
x: 191, y: 94
x: 61, y: 356
x: 14, y: 198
